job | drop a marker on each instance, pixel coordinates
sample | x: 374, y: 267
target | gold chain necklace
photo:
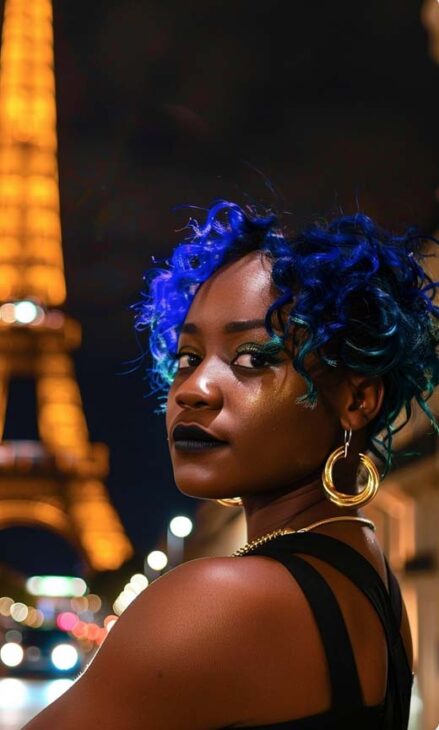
x: 288, y: 531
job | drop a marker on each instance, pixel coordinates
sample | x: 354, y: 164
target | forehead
x: 242, y: 289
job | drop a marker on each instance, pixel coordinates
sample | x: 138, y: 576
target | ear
x: 361, y: 402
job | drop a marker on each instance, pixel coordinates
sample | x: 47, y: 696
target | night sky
x: 167, y: 103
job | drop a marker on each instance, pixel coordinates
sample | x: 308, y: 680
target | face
x: 273, y: 443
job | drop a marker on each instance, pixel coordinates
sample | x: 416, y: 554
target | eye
x: 256, y: 360
x: 180, y: 357
x: 255, y: 356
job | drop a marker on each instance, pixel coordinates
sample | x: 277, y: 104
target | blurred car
x: 40, y: 653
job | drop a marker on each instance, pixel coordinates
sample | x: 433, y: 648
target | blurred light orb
x: 79, y: 587
x: 19, y: 611
x: 139, y: 582
x: 123, y: 601
x: 67, y: 620
x: 13, y: 693
x: 157, y: 560
x: 38, y: 621
x: 181, y: 526
x: 64, y: 656
x: 33, y: 653
x: 79, y: 604
x: 119, y: 606
x: 5, y: 605
x: 80, y: 630
x: 94, y: 602
x: 109, y: 622
x: 11, y: 654
x: 31, y: 616
x: 26, y: 312
x: 14, y: 635
x: 130, y: 589
x: 56, y: 586
x: 56, y: 688
x: 93, y: 631
x: 7, y: 312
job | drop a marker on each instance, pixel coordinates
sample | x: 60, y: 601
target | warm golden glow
x: 98, y: 525
x: 48, y: 280
x: 27, y: 512
x: 61, y: 419
x: 36, y: 338
x: 9, y: 280
x: 30, y: 231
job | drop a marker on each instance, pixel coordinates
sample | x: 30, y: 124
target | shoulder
x: 228, y: 583
x: 174, y: 654
x: 211, y: 605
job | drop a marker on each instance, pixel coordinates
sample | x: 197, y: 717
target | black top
x: 347, y: 709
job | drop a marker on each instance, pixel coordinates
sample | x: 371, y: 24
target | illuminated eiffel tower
x: 55, y: 482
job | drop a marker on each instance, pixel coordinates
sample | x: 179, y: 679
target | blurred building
x: 55, y: 482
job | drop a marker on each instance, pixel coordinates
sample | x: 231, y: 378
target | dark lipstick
x: 194, y: 438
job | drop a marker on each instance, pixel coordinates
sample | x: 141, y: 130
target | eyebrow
x: 191, y: 328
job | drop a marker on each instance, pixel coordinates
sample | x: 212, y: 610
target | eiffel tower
x: 55, y: 482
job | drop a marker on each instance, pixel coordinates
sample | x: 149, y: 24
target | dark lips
x: 194, y: 438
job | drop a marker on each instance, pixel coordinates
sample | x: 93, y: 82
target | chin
x: 200, y: 488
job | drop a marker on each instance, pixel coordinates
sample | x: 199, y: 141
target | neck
x: 294, y: 509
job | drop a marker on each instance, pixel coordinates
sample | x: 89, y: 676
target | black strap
x: 349, y: 562
x: 387, y: 604
x: 395, y: 593
x: 341, y: 662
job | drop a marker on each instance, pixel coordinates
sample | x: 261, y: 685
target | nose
x: 201, y: 389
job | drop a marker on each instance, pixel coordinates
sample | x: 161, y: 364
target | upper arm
x: 168, y: 663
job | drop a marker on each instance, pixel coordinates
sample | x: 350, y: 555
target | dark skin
x: 230, y: 642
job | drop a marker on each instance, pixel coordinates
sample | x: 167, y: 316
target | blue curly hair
x: 359, y: 299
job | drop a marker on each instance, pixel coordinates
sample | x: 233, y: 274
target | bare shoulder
x: 171, y: 659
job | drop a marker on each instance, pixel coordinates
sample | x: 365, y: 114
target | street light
x: 179, y: 528
x: 157, y: 560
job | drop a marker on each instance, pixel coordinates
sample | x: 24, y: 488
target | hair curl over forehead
x: 358, y: 297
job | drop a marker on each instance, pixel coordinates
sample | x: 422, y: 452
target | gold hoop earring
x: 350, y: 500
x: 232, y: 502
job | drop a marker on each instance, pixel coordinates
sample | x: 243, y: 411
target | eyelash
x: 248, y: 349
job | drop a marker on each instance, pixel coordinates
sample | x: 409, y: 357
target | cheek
x: 275, y: 429
x: 272, y: 404
x: 264, y: 414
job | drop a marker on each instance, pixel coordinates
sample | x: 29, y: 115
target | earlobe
x: 363, y: 403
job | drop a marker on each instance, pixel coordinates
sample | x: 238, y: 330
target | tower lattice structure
x: 55, y: 482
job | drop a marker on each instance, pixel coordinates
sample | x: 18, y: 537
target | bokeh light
x: 181, y: 526
x: 19, y: 611
x: 56, y: 586
x: 33, y: 653
x: 14, y: 635
x: 13, y: 693
x: 94, y: 602
x: 5, y: 605
x: 110, y: 621
x: 11, y: 654
x: 25, y: 312
x: 7, y: 312
x: 64, y: 656
x: 139, y: 582
x: 66, y: 620
x: 56, y: 688
x: 79, y: 604
x: 157, y: 560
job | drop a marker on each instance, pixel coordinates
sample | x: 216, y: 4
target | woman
x: 282, y: 360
